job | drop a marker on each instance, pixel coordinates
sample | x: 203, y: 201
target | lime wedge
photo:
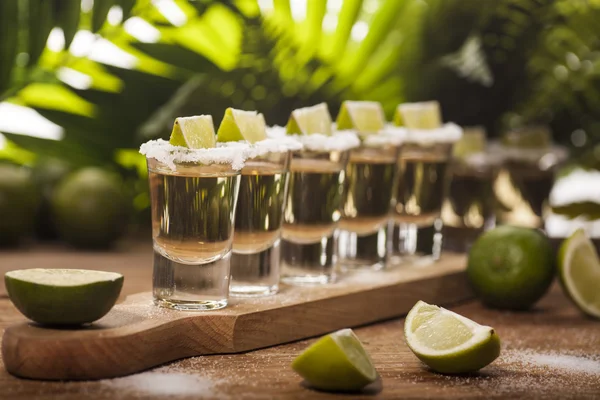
x: 364, y: 116
x: 336, y: 362
x: 63, y: 296
x: 528, y: 137
x: 579, y: 272
x: 448, y: 342
x: 472, y: 141
x: 423, y: 115
x: 197, y: 132
x: 308, y: 120
x: 242, y: 125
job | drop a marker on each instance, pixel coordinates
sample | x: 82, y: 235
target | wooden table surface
x: 550, y: 352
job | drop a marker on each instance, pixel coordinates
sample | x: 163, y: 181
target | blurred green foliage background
x: 111, y: 74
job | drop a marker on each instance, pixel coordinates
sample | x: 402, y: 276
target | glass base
x: 187, y: 306
x: 308, y: 280
x: 309, y: 263
x: 362, y: 252
x: 415, y: 244
x: 460, y: 240
x: 191, y: 287
x: 255, y: 274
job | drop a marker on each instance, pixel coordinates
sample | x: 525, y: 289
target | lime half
x: 364, y: 116
x: 63, y: 296
x: 308, y: 120
x: 336, y: 362
x: 448, y: 342
x: 242, y: 125
x: 196, y: 132
x: 423, y: 115
x: 579, y: 271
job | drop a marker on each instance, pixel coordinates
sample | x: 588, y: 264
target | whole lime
x: 511, y: 267
x: 90, y: 208
x: 47, y: 173
x: 19, y: 200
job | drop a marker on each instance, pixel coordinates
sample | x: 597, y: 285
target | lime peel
x: 366, y: 117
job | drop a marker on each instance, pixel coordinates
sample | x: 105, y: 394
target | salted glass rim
x: 231, y: 153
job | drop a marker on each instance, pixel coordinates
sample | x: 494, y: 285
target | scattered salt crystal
x: 165, y: 383
x: 448, y: 133
x: 338, y: 141
x: 233, y: 153
x: 560, y: 362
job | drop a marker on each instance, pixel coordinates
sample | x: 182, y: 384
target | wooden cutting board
x: 136, y: 335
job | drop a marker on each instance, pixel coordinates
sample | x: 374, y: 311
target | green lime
x: 423, y: 115
x: 579, y: 272
x: 511, y: 267
x: 364, y: 116
x: 19, y: 201
x: 308, y: 120
x: 336, y: 362
x: 448, y: 342
x: 197, y: 132
x: 242, y: 125
x: 91, y: 208
x: 47, y: 173
x: 63, y: 296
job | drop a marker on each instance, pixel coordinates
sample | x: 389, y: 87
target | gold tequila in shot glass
x: 315, y: 197
x: 255, y: 263
x: 370, y: 186
x: 193, y: 195
x: 469, y: 206
x: 422, y: 183
x: 527, y: 175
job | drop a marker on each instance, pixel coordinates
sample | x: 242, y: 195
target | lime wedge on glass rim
x: 364, y: 116
x: 422, y: 115
x: 448, y: 342
x: 63, y: 296
x: 336, y: 362
x: 309, y: 120
x: 579, y: 272
x: 241, y: 125
x: 197, y: 132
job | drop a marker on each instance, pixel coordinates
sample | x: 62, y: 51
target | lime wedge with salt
x: 308, y: 120
x: 336, y: 362
x: 364, y: 116
x: 197, y: 132
x: 422, y: 115
x: 63, y: 296
x: 448, y: 342
x: 579, y: 272
x: 242, y: 125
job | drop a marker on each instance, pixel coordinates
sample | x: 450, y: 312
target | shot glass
x: 368, y: 197
x: 193, y: 199
x: 469, y: 206
x: 523, y: 185
x: 255, y: 263
x: 422, y: 187
x: 312, y: 211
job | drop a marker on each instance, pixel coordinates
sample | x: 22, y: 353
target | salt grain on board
x: 165, y: 383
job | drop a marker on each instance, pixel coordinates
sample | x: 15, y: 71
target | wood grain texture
x: 136, y: 335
